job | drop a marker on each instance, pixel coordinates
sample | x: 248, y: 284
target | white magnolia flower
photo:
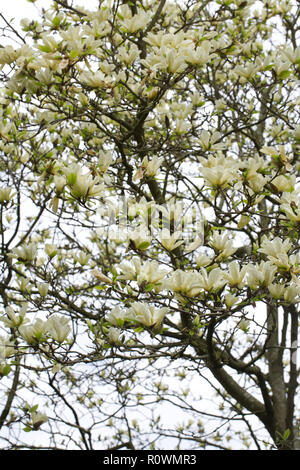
x: 6, y: 348
x: 170, y: 241
x: 140, y: 237
x: 184, y: 282
x: 26, y: 252
x: 171, y: 60
x: 58, y: 327
x: 284, y: 183
x: 14, y: 321
x: 82, y: 185
x: 152, y: 166
x: 38, y: 419
x: 8, y: 54
x: 292, y: 210
x: 235, y: 275
x: 130, y: 269
x: 97, y: 79
x: 218, y: 177
x: 117, y: 316
x: 51, y: 249
x: 60, y: 183
x: 203, y: 260
x: 5, y: 195
x: 136, y: 22
x: 291, y: 293
x: 260, y: 275
x: 146, y: 314
x: 34, y: 332
x: 248, y: 71
x: 220, y: 242
x: 276, y: 291
x: 199, y: 56
x: 128, y: 55
x: 151, y: 272
x: 292, y: 55
x: 212, y: 281
x: 208, y: 140
x: 82, y: 258
x: 114, y: 335
x: 230, y: 300
x: 105, y: 159
x: 253, y: 175
x: 275, y: 246
x: 278, y: 154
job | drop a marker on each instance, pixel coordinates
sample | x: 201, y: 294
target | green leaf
x: 45, y: 49
x: 6, y: 370
x: 71, y: 179
x: 139, y: 329
x: 286, y: 434
x: 74, y: 53
x: 27, y: 429
x: 149, y: 287
x: 143, y: 246
x: 284, y: 74
x: 33, y: 408
x: 56, y: 22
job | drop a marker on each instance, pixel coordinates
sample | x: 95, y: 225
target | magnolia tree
x: 150, y: 218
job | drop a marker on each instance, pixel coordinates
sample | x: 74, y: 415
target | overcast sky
x: 19, y: 9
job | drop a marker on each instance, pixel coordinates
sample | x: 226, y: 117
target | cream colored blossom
x: 275, y: 246
x: 260, y: 275
x: 7, y: 348
x: 199, y: 56
x: 38, y: 419
x: 130, y: 269
x: 291, y: 293
x: 203, y: 260
x: 278, y: 154
x: 284, y: 183
x: 26, y: 252
x: 212, y: 281
x: 6, y: 194
x: 105, y: 159
x: 136, y: 22
x: 35, y: 332
x: 82, y: 185
x: 217, y: 177
x: 276, y: 291
x: 114, y: 335
x: 208, y: 140
x: 151, y: 272
x: 184, y: 282
x: 58, y: 327
x: 148, y: 168
x: 230, y: 300
x: 290, y: 205
x: 117, y: 316
x: 169, y: 240
x: 140, y: 237
x: 13, y: 320
x: 221, y: 243
x: 235, y: 275
x: 96, y: 79
x: 43, y: 288
x: 146, y: 314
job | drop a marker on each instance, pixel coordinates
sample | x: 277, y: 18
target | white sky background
x: 23, y: 9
